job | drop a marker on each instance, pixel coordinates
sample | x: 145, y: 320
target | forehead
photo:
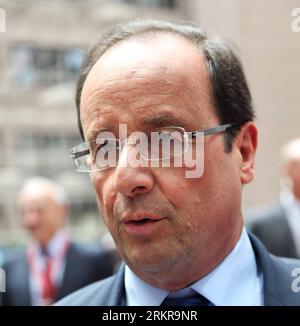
x: 153, y: 77
x: 36, y: 196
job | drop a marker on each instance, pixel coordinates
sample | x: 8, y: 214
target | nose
x: 131, y: 180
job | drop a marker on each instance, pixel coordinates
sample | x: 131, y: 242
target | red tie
x: 48, y: 286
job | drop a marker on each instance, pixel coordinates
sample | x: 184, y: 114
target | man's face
x: 42, y: 216
x: 163, y: 223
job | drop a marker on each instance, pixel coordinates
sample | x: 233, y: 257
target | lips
x: 138, y: 217
x: 142, y: 223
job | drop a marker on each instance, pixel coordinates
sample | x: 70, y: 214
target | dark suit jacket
x: 270, y: 225
x: 276, y: 274
x: 83, y: 266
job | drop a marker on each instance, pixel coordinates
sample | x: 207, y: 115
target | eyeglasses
x: 165, y: 143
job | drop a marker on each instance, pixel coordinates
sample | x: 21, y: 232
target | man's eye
x: 164, y: 136
x: 103, y: 145
x: 106, y: 145
x: 99, y: 145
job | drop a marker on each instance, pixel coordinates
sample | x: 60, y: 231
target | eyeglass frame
x: 192, y: 134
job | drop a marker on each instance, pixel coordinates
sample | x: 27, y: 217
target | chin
x: 146, y: 263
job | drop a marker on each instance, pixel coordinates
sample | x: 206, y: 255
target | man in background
x: 278, y: 224
x: 52, y: 265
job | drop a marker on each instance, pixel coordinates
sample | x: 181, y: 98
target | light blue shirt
x: 236, y: 281
x: 54, y: 248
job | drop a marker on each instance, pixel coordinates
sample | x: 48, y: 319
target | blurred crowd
x: 51, y: 265
x: 277, y: 224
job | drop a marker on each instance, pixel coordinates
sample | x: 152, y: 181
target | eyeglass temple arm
x: 211, y: 131
x: 80, y: 154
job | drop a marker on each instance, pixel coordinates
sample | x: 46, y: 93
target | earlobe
x: 247, y: 147
x: 247, y: 173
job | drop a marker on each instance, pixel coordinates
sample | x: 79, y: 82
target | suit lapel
x: 116, y: 295
x: 277, y: 276
x: 67, y: 278
x: 285, y: 232
x: 21, y: 282
x: 113, y: 292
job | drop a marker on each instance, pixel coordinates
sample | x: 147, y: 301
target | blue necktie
x: 194, y: 300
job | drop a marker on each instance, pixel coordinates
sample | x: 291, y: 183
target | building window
x: 45, y: 66
x: 44, y: 150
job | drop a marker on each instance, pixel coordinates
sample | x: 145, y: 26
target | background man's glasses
x: 164, y: 144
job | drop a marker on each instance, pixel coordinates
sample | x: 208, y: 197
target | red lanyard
x: 43, y: 276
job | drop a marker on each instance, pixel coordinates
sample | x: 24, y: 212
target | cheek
x: 205, y: 196
x: 49, y: 221
x: 226, y: 189
x: 103, y: 185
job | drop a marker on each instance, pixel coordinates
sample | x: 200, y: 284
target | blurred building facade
x: 40, y: 54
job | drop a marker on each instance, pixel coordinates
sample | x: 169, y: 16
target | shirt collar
x: 140, y: 293
x: 235, y: 281
x: 59, y: 240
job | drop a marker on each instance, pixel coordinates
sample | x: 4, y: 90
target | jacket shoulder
x: 281, y: 276
x: 14, y: 259
x: 107, y: 292
x: 286, y: 273
x: 87, y: 295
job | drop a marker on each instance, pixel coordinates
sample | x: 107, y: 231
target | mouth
x: 141, y: 224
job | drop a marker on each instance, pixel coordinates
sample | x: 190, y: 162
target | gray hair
x: 36, y: 184
x: 230, y: 92
x: 291, y: 151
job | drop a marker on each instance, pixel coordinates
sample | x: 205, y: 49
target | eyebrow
x: 164, y: 120
x: 93, y: 133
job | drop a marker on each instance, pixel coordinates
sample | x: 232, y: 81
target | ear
x: 246, y: 144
